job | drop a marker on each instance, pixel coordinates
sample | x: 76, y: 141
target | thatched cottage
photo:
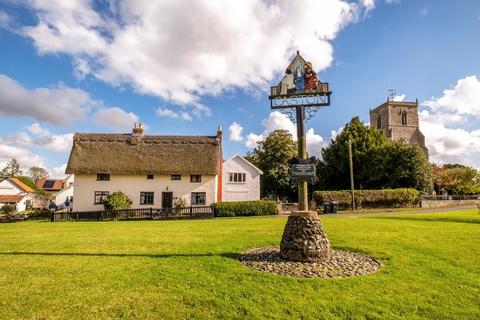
x: 152, y: 170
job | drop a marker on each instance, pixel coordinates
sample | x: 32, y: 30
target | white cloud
x: 169, y: 113
x: 277, y: 120
x: 463, y: 99
x: 235, y: 132
x: 24, y: 156
x: 59, y: 105
x: 443, y: 123
x: 181, y: 50
x: 5, y: 19
x: 37, y: 136
x: 115, y: 118
x: 59, y: 172
x: 400, y: 97
x: 252, y: 140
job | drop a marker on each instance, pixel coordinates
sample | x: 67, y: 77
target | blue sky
x: 185, y: 67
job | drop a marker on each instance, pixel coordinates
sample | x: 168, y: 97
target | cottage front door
x: 167, y: 200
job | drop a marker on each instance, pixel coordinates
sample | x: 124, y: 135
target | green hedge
x: 245, y: 208
x: 387, y: 198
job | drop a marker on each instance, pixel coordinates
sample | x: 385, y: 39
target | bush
x: 117, y: 201
x: 8, y: 209
x: 245, y: 208
x: 364, y: 199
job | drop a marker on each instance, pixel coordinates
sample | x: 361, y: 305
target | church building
x: 399, y: 120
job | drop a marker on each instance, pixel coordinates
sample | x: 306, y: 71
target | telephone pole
x: 352, y: 185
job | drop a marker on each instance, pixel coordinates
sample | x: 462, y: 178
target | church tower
x: 399, y: 120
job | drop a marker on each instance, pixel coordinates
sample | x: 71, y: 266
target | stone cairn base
x: 305, y: 252
x: 304, y: 240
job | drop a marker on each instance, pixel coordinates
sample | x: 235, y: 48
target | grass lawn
x: 188, y: 269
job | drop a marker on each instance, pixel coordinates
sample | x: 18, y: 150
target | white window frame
x: 237, y: 177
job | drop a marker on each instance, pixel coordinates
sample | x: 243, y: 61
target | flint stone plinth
x: 304, y: 239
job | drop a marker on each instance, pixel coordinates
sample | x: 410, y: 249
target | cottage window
x: 101, y: 196
x: 150, y: 176
x: 196, y: 178
x: 146, y: 197
x: 235, y: 177
x: 176, y: 177
x: 404, y: 118
x: 103, y: 177
x: 198, y: 199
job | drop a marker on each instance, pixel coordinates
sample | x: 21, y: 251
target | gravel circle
x: 342, y: 264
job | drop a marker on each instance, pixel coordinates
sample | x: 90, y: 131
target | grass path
x: 188, y: 269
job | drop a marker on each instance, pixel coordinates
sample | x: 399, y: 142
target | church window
x: 379, y: 122
x: 404, y: 118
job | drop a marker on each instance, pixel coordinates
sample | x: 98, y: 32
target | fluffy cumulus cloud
x: 37, y: 136
x: 235, y: 130
x: 59, y: 105
x: 169, y: 113
x: 276, y: 120
x: 115, y: 118
x: 24, y: 156
x: 59, y: 172
x: 181, y: 50
x: 444, y: 123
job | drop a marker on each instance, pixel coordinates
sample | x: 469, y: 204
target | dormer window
x: 103, y: 177
x: 150, y: 176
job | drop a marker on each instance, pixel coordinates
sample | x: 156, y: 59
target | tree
x: 273, y: 156
x: 333, y: 170
x: 456, y: 179
x: 11, y: 169
x: 37, y: 173
x: 8, y: 209
x: 403, y: 165
x: 378, y: 162
x: 117, y: 201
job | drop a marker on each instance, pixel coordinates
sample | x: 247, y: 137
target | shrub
x: 117, y: 201
x: 8, y: 209
x: 179, y: 204
x: 245, y: 208
x: 387, y: 198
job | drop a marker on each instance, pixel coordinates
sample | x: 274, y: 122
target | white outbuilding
x: 241, y: 180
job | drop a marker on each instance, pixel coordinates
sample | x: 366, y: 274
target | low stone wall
x: 448, y: 203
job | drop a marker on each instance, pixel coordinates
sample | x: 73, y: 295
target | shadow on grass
x: 229, y: 255
x: 433, y: 219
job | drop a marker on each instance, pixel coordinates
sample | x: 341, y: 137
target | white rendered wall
x: 7, y: 188
x: 248, y: 191
x: 85, y: 186
x: 62, y: 195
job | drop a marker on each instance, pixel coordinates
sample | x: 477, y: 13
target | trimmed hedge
x: 245, y: 208
x: 364, y: 199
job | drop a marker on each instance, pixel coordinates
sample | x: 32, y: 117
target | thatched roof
x: 144, y: 154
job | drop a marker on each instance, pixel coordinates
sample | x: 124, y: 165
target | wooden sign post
x: 300, y: 95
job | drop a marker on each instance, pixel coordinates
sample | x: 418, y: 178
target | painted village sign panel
x: 299, y: 87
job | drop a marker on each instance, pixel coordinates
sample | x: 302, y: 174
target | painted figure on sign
x: 311, y: 81
x: 299, y: 79
x: 288, y: 83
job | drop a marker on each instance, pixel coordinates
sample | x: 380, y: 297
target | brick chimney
x: 137, y: 129
x: 220, y: 166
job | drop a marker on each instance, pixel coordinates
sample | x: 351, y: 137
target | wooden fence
x: 136, y: 214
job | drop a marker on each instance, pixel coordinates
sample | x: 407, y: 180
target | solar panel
x: 48, y: 184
